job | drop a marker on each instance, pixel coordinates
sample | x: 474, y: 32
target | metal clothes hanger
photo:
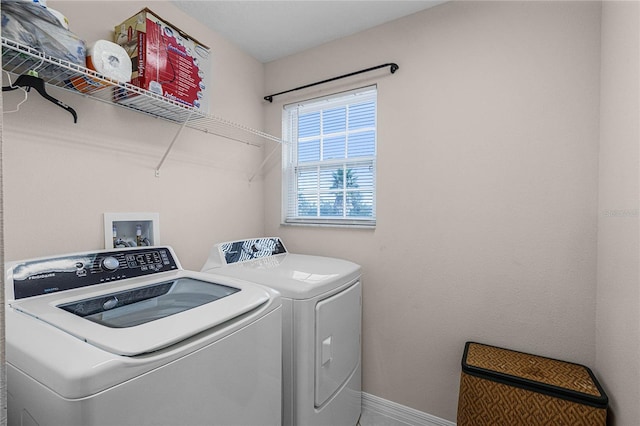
x: 29, y: 81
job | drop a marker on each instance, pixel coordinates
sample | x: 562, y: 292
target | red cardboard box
x: 165, y: 60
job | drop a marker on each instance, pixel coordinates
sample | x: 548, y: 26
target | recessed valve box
x: 131, y: 229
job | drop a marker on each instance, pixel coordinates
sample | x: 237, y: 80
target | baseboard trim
x: 377, y: 411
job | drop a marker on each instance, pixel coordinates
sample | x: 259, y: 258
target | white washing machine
x: 127, y: 337
x: 322, y: 305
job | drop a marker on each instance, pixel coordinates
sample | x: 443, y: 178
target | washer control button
x: 110, y: 303
x: 110, y: 263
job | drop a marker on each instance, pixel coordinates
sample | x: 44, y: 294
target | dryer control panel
x: 50, y: 275
x: 240, y: 251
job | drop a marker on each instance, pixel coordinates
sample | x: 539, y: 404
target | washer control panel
x: 50, y: 275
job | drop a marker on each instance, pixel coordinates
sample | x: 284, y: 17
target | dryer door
x: 338, y: 325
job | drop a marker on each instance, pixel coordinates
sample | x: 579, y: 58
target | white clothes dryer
x: 127, y: 337
x: 322, y: 309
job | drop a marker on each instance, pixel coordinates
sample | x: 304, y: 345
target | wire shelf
x: 19, y: 59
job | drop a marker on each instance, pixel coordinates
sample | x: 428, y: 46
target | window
x: 329, y: 160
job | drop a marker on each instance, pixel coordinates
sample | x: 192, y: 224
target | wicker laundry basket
x: 501, y: 387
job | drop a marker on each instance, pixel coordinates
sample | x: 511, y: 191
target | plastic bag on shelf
x: 33, y: 25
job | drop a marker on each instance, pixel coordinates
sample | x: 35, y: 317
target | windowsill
x: 350, y: 225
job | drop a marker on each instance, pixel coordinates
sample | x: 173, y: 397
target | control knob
x: 110, y: 263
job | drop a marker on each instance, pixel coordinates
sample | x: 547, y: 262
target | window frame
x: 290, y: 164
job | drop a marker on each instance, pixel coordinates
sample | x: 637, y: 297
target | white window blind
x: 329, y: 160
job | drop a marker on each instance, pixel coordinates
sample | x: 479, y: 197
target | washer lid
x: 296, y: 276
x: 136, y: 319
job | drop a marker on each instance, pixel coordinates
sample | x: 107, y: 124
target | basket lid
x: 553, y: 377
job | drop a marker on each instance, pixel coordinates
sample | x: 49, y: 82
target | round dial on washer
x: 110, y: 263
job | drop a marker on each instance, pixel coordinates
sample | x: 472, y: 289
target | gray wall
x: 61, y: 177
x: 487, y: 188
x: 618, y: 313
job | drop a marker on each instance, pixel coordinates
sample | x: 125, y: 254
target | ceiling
x: 272, y: 29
